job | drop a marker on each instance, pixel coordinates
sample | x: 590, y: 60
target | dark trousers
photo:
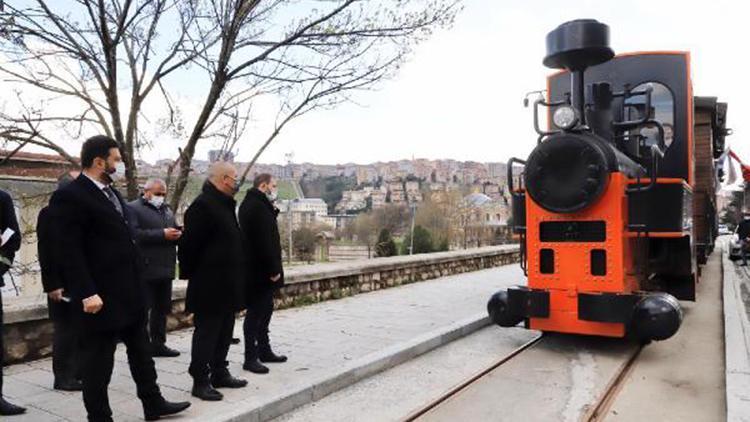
x: 211, y: 340
x: 98, y: 358
x: 65, y: 344
x: 257, y: 319
x: 159, y: 293
x: 2, y: 346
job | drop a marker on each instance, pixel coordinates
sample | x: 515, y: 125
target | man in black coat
x: 265, y: 274
x: 101, y: 265
x: 8, y: 251
x: 156, y: 233
x: 65, y: 335
x: 212, y: 260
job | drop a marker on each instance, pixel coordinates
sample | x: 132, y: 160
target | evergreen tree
x: 422, y: 241
x: 385, y: 246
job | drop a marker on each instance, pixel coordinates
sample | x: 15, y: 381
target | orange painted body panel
x: 572, y: 272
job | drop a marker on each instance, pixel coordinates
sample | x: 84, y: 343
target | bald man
x: 211, y: 258
x: 157, y: 234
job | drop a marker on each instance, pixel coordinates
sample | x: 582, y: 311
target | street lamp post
x: 411, y: 238
x: 289, y: 218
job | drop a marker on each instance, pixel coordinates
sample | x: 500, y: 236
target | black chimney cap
x: 578, y: 44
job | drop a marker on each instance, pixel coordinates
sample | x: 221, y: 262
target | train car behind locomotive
x: 606, y: 202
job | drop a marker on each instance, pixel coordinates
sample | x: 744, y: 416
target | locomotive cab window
x: 662, y: 110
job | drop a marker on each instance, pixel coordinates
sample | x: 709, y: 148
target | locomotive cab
x: 605, y: 210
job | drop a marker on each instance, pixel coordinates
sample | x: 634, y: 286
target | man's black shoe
x: 8, y: 409
x: 271, y: 357
x: 205, y: 391
x: 68, y: 385
x: 255, y: 367
x: 155, y: 411
x: 162, y: 351
x: 228, y: 381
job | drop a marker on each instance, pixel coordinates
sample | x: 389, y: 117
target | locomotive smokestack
x: 574, y: 46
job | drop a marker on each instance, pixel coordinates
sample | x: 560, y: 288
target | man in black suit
x: 7, y: 253
x: 265, y: 274
x: 100, y: 264
x: 212, y: 260
x: 65, y: 335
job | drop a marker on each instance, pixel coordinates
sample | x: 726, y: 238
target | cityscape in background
x: 327, y: 212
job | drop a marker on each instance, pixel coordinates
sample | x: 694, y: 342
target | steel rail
x: 599, y: 410
x: 471, y: 380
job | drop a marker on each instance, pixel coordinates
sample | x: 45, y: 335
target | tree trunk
x: 188, y: 152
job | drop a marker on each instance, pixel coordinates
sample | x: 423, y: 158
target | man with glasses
x: 157, y: 234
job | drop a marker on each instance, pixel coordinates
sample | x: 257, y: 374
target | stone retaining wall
x: 28, y: 330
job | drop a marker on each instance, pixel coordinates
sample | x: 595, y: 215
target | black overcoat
x: 211, y: 254
x: 8, y: 221
x: 98, y: 255
x: 259, y: 225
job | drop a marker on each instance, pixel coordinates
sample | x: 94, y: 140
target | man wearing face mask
x: 101, y: 266
x: 157, y: 234
x: 212, y: 259
x: 257, y: 217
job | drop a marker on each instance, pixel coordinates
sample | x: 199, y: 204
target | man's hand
x: 276, y: 278
x: 92, y: 304
x: 56, y: 295
x: 172, y: 234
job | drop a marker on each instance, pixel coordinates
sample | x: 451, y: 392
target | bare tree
x: 103, y: 58
x: 110, y: 55
x: 308, y: 56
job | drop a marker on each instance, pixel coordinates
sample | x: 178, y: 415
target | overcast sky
x: 460, y: 96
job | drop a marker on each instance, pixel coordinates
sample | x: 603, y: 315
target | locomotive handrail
x: 660, y: 139
x: 512, y: 161
x: 629, y: 124
x: 537, y: 103
x: 656, y: 153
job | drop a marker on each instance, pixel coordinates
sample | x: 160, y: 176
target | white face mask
x: 119, y: 172
x: 272, y: 195
x: 156, y: 201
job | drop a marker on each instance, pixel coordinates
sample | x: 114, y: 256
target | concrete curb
x: 736, y: 344
x: 352, y: 373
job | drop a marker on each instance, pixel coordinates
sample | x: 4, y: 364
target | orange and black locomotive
x: 615, y: 206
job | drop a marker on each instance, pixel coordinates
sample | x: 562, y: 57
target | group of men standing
x: 107, y: 267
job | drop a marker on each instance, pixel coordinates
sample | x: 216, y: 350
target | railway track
x: 591, y: 412
x: 471, y: 380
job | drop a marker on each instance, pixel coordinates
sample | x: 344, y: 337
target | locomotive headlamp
x: 565, y: 117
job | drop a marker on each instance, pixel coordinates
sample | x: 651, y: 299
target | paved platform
x: 331, y: 345
x: 682, y: 379
x: 557, y: 379
x: 736, y: 297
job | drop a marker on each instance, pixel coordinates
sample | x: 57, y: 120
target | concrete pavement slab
x: 682, y: 379
x: 331, y: 345
x: 736, y: 295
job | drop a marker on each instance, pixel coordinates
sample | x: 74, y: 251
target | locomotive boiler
x: 607, y: 204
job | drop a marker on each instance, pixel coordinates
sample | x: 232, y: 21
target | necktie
x: 113, y: 199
